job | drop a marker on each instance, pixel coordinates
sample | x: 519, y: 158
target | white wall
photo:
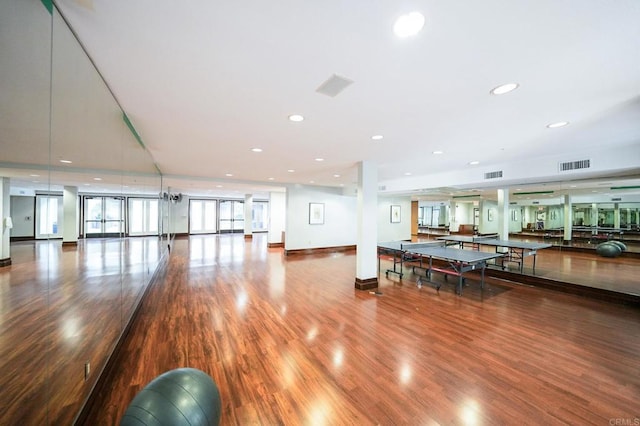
x: 180, y: 216
x: 340, y: 218
x: 388, y: 231
x: 23, y: 215
x: 277, y: 217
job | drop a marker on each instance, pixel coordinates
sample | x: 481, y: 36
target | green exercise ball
x: 608, y: 249
x: 620, y: 244
x: 184, y: 396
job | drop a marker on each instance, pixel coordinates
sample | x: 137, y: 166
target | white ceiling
x: 205, y: 81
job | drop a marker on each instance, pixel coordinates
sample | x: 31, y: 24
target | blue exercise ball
x: 620, y: 244
x: 608, y: 249
x: 184, y: 396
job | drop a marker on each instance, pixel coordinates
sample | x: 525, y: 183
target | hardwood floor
x: 288, y: 340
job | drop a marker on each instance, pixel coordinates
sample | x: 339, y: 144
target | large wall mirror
x: 87, y: 230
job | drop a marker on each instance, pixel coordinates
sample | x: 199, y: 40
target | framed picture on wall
x: 395, y: 214
x: 316, y: 213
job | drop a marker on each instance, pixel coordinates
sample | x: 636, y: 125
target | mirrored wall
x: 87, y: 229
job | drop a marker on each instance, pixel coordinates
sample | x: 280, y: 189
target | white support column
x: 594, y: 218
x: 5, y: 226
x: 453, y: 217
x: 503, y: 213
x: 568, y: 220
x: 277, y: 219
x: 616, y: 216
x: 367, y: 242
x: 70, y: 216
x: 248, y: 216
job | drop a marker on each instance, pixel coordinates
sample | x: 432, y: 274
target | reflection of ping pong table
x: 459, y: 260
x: 516, y: 250
x: 459, y: 240
x: 399, y: 251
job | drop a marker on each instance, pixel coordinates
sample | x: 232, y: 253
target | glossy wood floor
x: 290, y: 341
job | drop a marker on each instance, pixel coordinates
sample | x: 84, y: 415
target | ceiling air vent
x: 334, y: 85
x: 575, y: 165
x: 617, y: 199
x: 536, y: 202
x: 493, y: 175
x: 382, y: 188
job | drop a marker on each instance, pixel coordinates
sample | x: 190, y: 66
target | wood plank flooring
x: 289, y: 340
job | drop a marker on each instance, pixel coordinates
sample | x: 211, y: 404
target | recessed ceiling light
x: 271, y: 178
x: 312, y: 181
x: 87, y: 184
x: 296, y: 117
x: 505, y: 88
x: 218, y: 186
x: 228, y: 174
x: 474, y: 163
x: 66, y: 161
x: 336, y: 175
x: 558, y: 124
x: 290, y: 170
x: 97, y: 178
x: 438, y: 152
x: 407, y: 173
x: 256, y: 149
x: 319, y: 159
x: 34, y: 175
x: 377, y: 137
x: 342, y: 184
x: 409, y: 24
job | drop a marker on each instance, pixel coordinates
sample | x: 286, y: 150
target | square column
x: 5, y: 225
x: 503, y: 213
x: 367, y: 242
x: 70, y: 216
x: 248, y: 216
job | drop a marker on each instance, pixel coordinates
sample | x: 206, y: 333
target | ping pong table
x: 516, y: 250
x: 459, y: 260
x: 399, y: 251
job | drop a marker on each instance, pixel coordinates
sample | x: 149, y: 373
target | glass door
x: 260, y: 213
x: 202, y: 216
x: 231, y: 216
x: 103, y: 216
x: 49, y: 213
x: 143, y: 216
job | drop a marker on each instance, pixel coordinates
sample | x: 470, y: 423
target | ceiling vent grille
x: 617, y: 199
x: 575, y: 165
x: 382, y: 188
x: 536, y: 202
x: 334, y: 85
x: 493, y: 175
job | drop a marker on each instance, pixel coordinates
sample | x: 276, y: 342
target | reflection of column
x: 594, y: 218
x: 454, y: 217
x: 5, y: 230
x: 70, y: 216
x: 367, y: 243
x: 568, y: 219
x: 616, y: 216
x: 248, y: 216
x: 503, y: 213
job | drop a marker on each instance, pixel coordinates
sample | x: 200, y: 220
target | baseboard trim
x: 366, y: 284
x: 274, y: 245
x: 320, y: 250
x: 5, y: 262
